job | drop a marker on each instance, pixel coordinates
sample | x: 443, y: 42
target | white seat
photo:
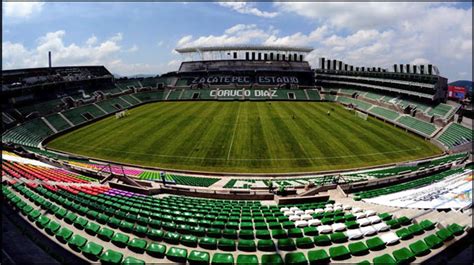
x: 294, y: 218
x: 370, y: 213
x: 288, y: 213
x: 301, y: 223
x: 363, y: 222
x: 337, y: 204
x: 381, y: 227
x: 353, y: 234
x: 368, y: 230
x: 338, y: 208
x: 328, y: 205
x: 319, y: 210
x: 359, y: 215
x: 314, y: 222
x: 337, y: 227
x: 284, y: 209
x: 356, y: 210
x: 299, y: 212
x: 328, y: 210
x: 374, y: 219
x: 389, y: 238
x: 306, y: 217
x: 310, y: 211
x: 294, y: 209
x: 347, y: 207
x: 324, y: 229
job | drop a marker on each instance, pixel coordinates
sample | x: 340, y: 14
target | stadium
x: 243, y: 155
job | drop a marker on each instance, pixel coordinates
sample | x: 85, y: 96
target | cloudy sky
x: 132, y: 38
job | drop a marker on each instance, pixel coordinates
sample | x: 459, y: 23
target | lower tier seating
x: 455, y: 134
x: 386, y: 113
x: 418, y: 125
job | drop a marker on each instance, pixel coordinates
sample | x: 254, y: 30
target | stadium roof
x: 244, y: 47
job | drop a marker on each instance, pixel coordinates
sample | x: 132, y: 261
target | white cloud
x: 238, y: 34
x: 107, y: 52
x: 21, y: 9
x: 160, y: 43
x: 247, y: 8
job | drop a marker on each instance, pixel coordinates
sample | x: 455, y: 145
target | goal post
x: 361, y: 115
x: 121, y: 114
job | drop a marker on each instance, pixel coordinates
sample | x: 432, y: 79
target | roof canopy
x: 244, y: 47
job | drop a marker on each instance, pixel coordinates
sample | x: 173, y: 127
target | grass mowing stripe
x: 261, y: 137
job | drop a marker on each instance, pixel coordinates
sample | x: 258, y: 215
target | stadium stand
x: 454, y: 135
x: 359, y: 103
x: 313, y: 94
x: 82, y: 114
x: 441, y: 110
x: 385, y: 113
x: 30, y: 133
x: 58, y: 122
x: 418, y: 125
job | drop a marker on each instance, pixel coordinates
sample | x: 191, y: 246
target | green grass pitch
x: 256, y: 137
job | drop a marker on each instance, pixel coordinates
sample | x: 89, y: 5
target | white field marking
x: 250, y: 159
x: 233, y: 134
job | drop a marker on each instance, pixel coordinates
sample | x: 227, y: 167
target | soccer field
x: 257, y: 137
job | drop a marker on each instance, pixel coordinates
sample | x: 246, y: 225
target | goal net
x: 361, y: 115
x: 121, y: 114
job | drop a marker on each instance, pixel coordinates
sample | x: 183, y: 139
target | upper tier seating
x: 455, y: 134
x: 30, y: 133
x: 418, y: 125
x: 359, y: 103
x: 386, y: 113
x: 58, y: 122
x: 77, y: 115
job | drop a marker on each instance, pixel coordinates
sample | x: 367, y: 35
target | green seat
x: 419, y: 248
x: 226, y: 244
x: 70, y: 218
x: 120, y: 240
x: 208, y: 243
x: 358, y: 249
x: 42, y: 221
x: 385, y: 216
x: 172, y: 238
x: 196, y: 257
x: 222, y: 259
x: 246, y: 245
x: 433, y: 241
x: 364, y: 262
x: 156, y: 250
x: 287, y: 244
x: 339, y: 253
x: 111, y: 257
x: 338, y: 237
x: 155, y: 234
x: 189, y: 241
x: 273, y: 259
x: 394, y: 224
x: 76, y: 242
x: 427, y: 225
x: 263, y: 234
x: 105, y: 234
x: 52, y: 228
x: 404, y: 220
x: 80, y: 223
x: 246, y: 234
x: 416, y: 229
x: 132, y: 261
x: 140, y: 230
x: 304, y: 242
x: 403, y: 256
x: 310, y: 231
x: 456, y: 229
x: 322, y: 240
x: 297, y: 258
x: 351, y: 224
x: 295, y: 232
x: 266, y: 245
x: 319, y: 256
x: 375, y: 243
x: 230, y: 233
x: 137, y: 245
x: 445, y: 234
x: 63, y: 235
x: 384, y: 260
x: 279, y: 234
x: 177, y: 254
x: 288, y: 224
x: 247, y: 259
x: 92, y: 228
x: 92, y: 250
x: 404, y: 234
